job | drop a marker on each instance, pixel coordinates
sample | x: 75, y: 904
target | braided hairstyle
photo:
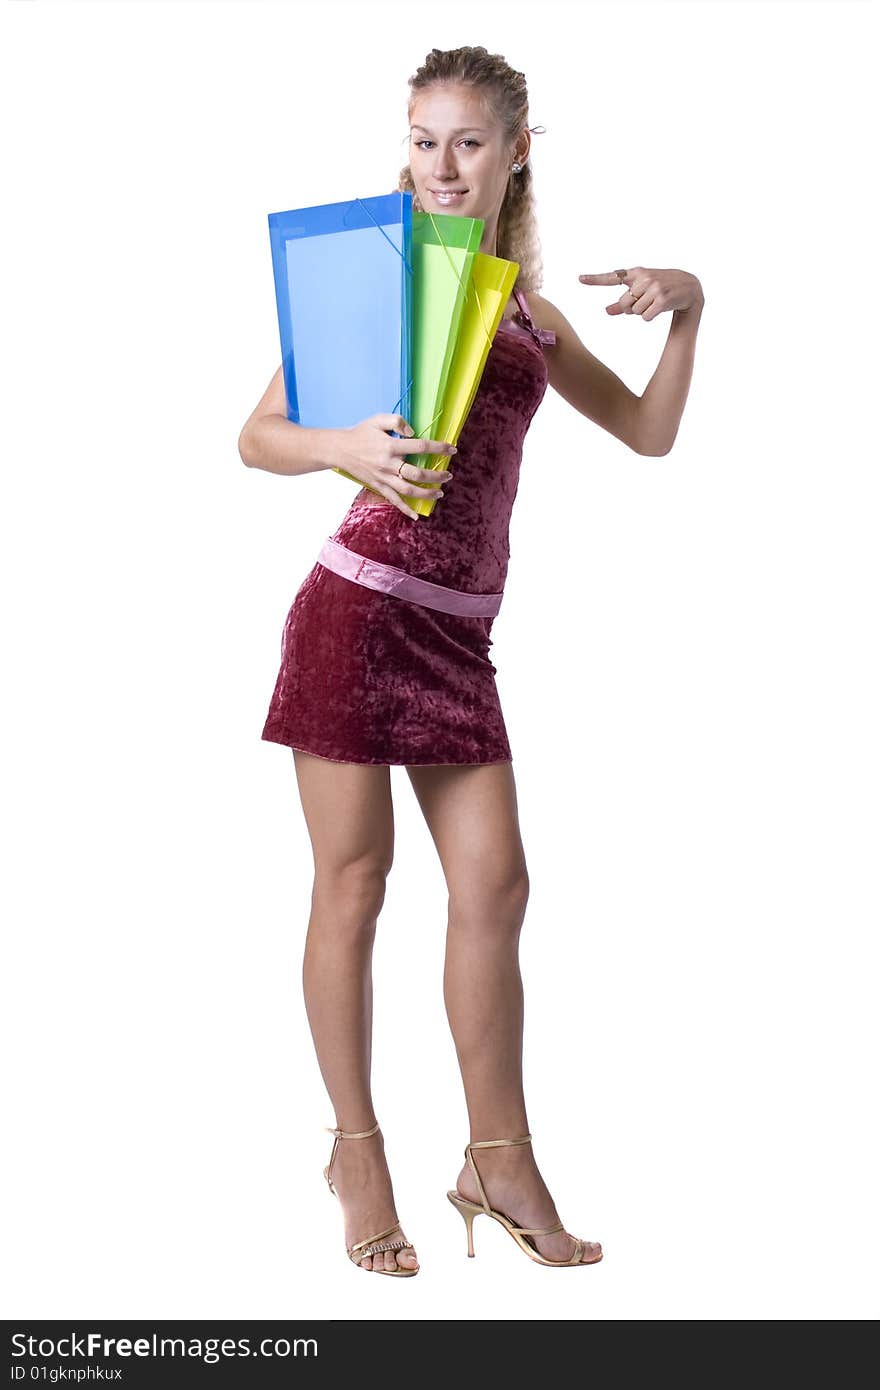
x: 506, y: 101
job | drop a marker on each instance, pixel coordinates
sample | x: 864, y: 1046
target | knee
x: 348, y: 898
x: 495, y: 905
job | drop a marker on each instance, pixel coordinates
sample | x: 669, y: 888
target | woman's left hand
x: 650, y: 292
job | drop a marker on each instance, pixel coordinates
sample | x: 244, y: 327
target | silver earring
x: 517, y: 168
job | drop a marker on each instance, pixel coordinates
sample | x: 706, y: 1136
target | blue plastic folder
x: 343, y: 289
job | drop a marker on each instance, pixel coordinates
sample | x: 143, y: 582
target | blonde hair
x: 505, y: 99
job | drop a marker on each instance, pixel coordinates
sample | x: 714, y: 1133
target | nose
x: 444, y: 167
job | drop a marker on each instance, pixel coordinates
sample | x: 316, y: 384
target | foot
x: 515, y: 1188
x: 362, y: 1181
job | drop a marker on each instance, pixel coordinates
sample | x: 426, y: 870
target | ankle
x: 502, y: 1151
x: 362, y: 1156
x: 512, y: 1158
x: 360, y: 1126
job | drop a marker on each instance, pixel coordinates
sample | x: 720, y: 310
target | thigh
x: 473, y: 818
x: 348, y: 811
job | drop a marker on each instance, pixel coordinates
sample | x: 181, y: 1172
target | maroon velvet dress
x: 367, y: 677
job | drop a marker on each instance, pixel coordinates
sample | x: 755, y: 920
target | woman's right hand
x: 369, y: 453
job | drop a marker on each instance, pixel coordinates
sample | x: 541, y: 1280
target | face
x: 458, y: 156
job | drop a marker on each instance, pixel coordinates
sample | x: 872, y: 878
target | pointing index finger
x: 608, y: 277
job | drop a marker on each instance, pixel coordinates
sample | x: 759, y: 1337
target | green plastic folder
x: 491, y: 284
x: 443, y: 253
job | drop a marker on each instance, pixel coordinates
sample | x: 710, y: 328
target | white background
x: 687, y: 659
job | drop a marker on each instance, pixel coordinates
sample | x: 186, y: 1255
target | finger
x: 437, y: 476
x: 410, y: 484
x: 415, y: 490
x: 655, y: 308
x: 428, y: 446
x: 627, y: 300
x: 433, y: 481
x: 419, y: 482
x: 394, y: 497
x: 394, y: 422
x: 608, y: 277
x: 625, y: 303
x: 620, y: 306
x: 644, y: 296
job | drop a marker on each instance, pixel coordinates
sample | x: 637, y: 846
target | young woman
x: 374, y: 674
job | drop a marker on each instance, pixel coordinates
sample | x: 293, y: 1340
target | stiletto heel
x: 468, y: 1211
x: 521, y: 1234
x: 375, y: 1244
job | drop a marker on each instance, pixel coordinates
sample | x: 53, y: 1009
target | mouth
x: 447, y: 197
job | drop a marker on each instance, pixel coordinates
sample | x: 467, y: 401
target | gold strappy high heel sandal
x: 379, y: 1242
x: 520, y: 1233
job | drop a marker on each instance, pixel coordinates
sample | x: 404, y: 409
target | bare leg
x: 472, y: 816
x: 350, y: 819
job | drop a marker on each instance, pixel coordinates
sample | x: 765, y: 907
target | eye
x: 466, y: 141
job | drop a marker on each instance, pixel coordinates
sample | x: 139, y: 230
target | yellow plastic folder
x: 489, y: 288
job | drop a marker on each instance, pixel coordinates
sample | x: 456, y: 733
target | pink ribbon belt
x: 388, y: 579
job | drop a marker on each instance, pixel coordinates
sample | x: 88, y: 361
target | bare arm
x: 648, y: 423
x: 270, y: 441
x: 585, y: 382
x: 662, y: 404
x: 365, y: 452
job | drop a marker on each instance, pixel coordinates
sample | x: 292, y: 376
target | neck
x: 489, y: 243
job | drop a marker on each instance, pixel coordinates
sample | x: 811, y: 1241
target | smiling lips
x: 448, y: 195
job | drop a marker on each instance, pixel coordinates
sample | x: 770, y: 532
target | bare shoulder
x: 545, y: 314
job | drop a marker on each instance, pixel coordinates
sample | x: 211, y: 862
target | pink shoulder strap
x: 541, y: 335
x: 524, y: 307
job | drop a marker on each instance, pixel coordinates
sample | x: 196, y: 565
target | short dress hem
x: 381, y: 762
